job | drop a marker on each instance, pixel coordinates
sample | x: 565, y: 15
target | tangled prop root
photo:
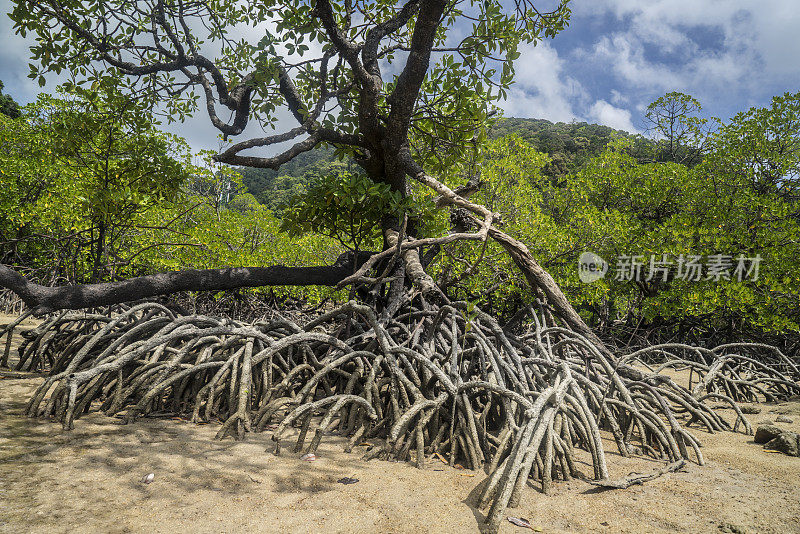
x: 429, y: 380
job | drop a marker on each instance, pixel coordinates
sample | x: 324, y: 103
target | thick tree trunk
x: 44, y: 299
x: 536, y: 276
x: 539, y: 278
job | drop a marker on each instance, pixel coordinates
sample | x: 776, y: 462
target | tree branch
x: 369, y: 54
x: 406, y: 92
x: 536, y: 276
x: 43, y: 299
x: 231, y: 155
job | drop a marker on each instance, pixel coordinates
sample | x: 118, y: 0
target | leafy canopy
x: 77, y: 170
x: 351, y: 73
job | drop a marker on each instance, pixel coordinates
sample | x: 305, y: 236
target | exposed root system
x: 428, y: 380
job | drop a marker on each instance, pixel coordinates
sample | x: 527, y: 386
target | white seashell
x: 147, y: 479
x: 308, y: 457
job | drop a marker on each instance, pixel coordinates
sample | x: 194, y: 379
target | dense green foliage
x: 205, y: 238
x: 72, y: 164
x: 92, y: 190
x: 346, y: 206
x: 739, y: 199
x: 76, y: 171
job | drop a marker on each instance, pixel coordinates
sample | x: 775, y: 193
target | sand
x: 89, y: 480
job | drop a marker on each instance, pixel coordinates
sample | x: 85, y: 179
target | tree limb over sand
x: 43, y: 299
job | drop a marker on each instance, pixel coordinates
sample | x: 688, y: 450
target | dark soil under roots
x: 428, y: 380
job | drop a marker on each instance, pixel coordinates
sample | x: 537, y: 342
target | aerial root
x: 428, y: 381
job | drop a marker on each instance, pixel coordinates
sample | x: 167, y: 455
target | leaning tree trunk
x: 536, y: 276
x: 540, y: 279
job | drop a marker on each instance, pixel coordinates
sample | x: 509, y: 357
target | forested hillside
x: 569, y: 146
x: 273, y: 189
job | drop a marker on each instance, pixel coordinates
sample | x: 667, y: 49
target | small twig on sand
x: 636, y: 478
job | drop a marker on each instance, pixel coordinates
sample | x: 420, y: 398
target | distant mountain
x: 274, y: 188
x: 569, y: 145
x: 8, y: 106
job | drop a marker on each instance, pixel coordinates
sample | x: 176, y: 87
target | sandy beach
x: 90, y: 480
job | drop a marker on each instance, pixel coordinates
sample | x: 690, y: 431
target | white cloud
x: 626, y: 57
x: 541, y: 88
x: 602, y: 112
x: 754, y: 43
x: 618, y: 98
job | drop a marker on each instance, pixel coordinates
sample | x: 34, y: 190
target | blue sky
x: 615, y: 57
